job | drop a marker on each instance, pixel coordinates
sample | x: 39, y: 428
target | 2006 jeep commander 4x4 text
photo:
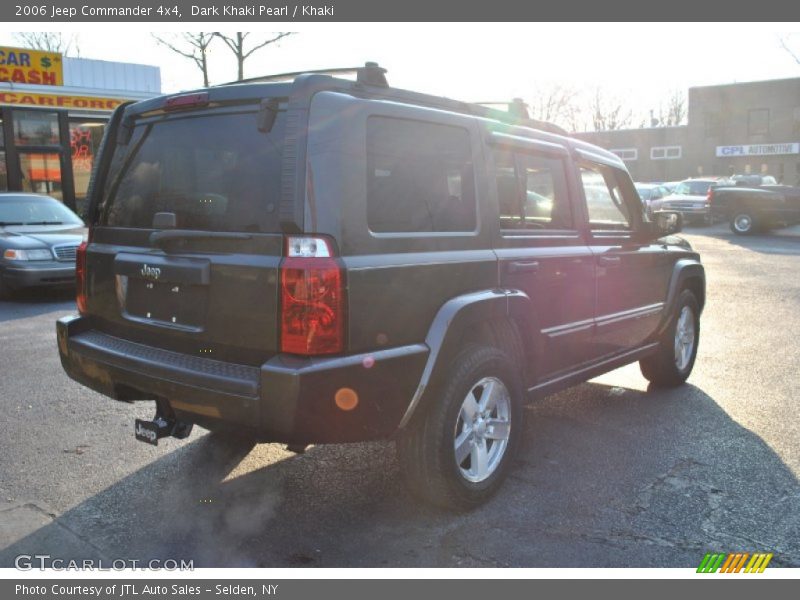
x: 318, y: 260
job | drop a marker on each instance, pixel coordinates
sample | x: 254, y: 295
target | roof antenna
x: 518, y: 108
x: 372, y: 74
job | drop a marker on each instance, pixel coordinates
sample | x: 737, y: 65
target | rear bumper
x: 35, y: 275
x: 287, y: 399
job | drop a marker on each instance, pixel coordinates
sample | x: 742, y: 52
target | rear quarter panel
x: 396, y: 281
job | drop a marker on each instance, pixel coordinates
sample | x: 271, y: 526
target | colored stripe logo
x: 735, y: 562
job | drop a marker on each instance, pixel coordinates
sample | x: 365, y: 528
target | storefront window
x: 34, y: 128
x: 3, y: 172
x: 3, y: 169
x: 41, y: 173
x: 84, y: 140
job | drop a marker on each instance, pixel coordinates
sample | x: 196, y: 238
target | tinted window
x: 420, y: 177
x: 532, y: 192
x: 604, y: 201
x: 216, y: 173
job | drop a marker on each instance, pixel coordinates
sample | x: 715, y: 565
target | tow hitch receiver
x: 163, y: 425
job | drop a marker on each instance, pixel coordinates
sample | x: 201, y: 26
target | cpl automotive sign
x: 20, y: 65
x: 59, y: 101
x: 758, y: 150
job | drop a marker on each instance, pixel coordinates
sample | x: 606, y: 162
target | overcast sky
x: 640, y: 62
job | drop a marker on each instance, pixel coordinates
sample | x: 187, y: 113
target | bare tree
x: 672, y: 113
x: 784, y: 42
x: 192, y: 45
x: 237, y: 44
x: 608, y: 113
x: 49, y: 41
x: 556, y: 104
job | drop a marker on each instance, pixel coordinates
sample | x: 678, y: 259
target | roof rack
x: 374, y: 75
x: 516, y: 107
x: 370, y: 74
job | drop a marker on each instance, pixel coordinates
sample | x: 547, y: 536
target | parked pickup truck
x: 750, y: 207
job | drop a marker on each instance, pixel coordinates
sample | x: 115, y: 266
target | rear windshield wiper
x: 159, y: 237
x: 45, y: 223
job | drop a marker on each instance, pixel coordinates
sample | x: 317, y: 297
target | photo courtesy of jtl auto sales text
x: 349, y: 299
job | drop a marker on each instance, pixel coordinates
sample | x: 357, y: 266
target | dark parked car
x: 322, y: 260
x: 39, y: 238
x: 753, y: 180
x: 752, y: 206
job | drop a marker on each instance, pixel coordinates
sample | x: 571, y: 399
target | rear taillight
x: 80, y: 277
x: 312, y: 316
x: 710, y: 196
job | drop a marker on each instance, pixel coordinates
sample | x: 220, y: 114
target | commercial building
x: 751, y: 127
x: 53, y: 111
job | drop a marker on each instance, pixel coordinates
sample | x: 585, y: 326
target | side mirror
x: 666, y: 222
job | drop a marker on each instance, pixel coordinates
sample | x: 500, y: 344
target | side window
x: 508, y: 190
x: 532, y: 192
x: 604, y: 201
x: 419, y: 177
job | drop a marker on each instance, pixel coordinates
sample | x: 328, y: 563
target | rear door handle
x: 523, y: 266
x: 609, y: 261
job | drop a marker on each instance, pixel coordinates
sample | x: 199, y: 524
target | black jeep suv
x: 322, y: 260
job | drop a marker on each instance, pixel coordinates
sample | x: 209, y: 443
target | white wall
x: 107, y: 75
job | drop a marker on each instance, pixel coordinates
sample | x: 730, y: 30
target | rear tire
x: 674, y: 360
x: 743, y: 223
x: 458, y: 448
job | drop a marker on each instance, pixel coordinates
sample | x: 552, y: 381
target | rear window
x: 215, y: 172
x: 693, y: 188
x: 420, y: 177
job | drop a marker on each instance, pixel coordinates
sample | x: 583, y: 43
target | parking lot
x: 609, y: 475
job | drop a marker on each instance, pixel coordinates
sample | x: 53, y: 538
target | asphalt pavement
x: 610, y: 474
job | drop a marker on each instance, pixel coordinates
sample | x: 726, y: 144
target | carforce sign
x: 20, y: 65
x: 758, y: 150
x: 59, y: 101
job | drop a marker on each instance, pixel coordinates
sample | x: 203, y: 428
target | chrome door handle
x: 523, y: 266
x: 609, y: 261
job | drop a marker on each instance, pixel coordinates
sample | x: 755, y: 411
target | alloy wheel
x: 685, y: 336
x: 482, y: 429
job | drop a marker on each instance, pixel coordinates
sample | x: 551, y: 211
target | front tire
x: 458, y: 449
x: 674, y: 360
